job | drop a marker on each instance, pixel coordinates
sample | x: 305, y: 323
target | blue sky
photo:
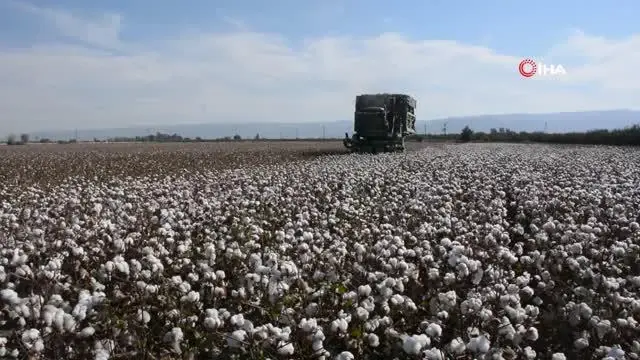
x: 140, y: 62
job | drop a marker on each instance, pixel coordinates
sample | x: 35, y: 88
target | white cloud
x: 251, y: 76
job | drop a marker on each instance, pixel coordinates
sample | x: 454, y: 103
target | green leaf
x: 341, y: 289
x: 356, y: 332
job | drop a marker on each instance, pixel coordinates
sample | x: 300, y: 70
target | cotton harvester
x: 381, y: 123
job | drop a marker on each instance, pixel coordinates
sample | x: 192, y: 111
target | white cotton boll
x: 434, y: 330
x: 362, y: 313
x: 449, y: 279
x: 585, y: 311
x: 192, y: 297
x: 413, y: 344
x: 317, y: 345
x: 10, y: 296
x: 237, y: 320
x: 143, y: 316
x: 558, y: 356
x: 38, y: 346
x: 58, y: 319
x: 285, y: 348
x: 433, y: 354
x: 397, y: 299
x: 29, y: 337
x: 602, y: 328
x: 69, y: 322
x: 308, y: 325
x: 531, y: 334
x: 373, y: 340
x: 212, y: 322
x: 87, y: 332
x: 219, y: 292
x: 175, y: 335
x: 622, y: 323
x: 529, y: 353
x: 479, y: 344
x: 102, y: 354
x: 433, y: 274
x: 345, y: 355
x: 339, y: 325
x: 457, y: 346
x: 364, y: 290
x: 616, y: 353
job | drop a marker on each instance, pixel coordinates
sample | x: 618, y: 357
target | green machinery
x: 381, y: 123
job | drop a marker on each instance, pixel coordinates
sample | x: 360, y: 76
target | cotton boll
x: 373, y: 340
x: 30, y: 337
x: 558, y: 356
x: 10, y: 296
x: 143, y: 316
x: 433, y: 330
x: 237, y: 320
x: 87, y: 332
x: 616, y: 353
x: 236, y: 339
x: 529, y: 353
x: 345, y: 355
x: 414, y: 344
x: 364, y: 290
x: 433, y: 354
x: 285, y: 348
x: 339, y: 325
x: 362, y: 313
x: 479, y: 344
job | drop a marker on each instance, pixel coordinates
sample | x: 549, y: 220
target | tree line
x: 627, y: 136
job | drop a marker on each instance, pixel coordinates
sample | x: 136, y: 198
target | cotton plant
x: 475, y: 250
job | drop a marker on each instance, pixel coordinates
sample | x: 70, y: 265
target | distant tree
x: 11, y: 140
x: 257, y: 137
x: 466, y: 134
x: 237, y: 137
x: 24, y: 138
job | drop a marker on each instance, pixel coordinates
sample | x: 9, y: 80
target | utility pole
x: 545, y: 126
x: 444, y: 129
x: 425, y: 128
x: 324, y: 131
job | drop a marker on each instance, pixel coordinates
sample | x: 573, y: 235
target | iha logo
x: 528, y: 68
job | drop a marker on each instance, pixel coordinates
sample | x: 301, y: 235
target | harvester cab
x: 381, y: 123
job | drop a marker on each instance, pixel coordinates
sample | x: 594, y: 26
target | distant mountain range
x: 553, y: 122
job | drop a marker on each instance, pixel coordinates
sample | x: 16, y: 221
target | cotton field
x: 474, y: 251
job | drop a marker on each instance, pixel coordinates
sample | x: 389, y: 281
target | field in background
x: 51, y: 163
